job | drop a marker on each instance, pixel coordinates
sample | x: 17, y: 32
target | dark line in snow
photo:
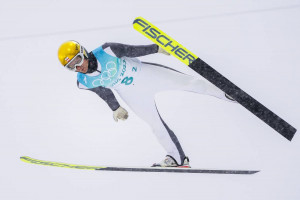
x: 156, y: 22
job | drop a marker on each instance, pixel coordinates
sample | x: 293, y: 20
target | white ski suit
x: 137, y: 83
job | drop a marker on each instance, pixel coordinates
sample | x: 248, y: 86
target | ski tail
x: 188, y: 58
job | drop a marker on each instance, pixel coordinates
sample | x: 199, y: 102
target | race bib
x: 115, y: 72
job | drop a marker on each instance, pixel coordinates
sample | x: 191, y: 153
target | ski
x: 174, y: 48
x: 134, y: 169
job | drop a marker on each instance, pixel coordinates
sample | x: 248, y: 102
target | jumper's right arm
x: 106, y: 94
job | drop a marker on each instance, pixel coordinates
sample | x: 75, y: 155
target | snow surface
x: 43, y: 114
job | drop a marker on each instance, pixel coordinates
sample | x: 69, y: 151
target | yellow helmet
x: 69, y: 50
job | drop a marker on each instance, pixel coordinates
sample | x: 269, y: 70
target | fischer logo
x: 165, y: 40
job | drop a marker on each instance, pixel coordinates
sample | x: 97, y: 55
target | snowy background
x: 43, y: 114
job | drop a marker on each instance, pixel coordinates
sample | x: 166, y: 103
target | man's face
x: 84, y: 67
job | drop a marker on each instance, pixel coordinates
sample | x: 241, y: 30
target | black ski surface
x: 177, y: 170
x: 266, y: 115
x: 132, y: 169
x: 190, y: 59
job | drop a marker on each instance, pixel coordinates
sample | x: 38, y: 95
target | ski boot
x: 169, y: 161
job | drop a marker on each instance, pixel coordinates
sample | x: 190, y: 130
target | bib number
x: 127, y: 80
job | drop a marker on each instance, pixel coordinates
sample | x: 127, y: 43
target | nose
x: 79, y: 68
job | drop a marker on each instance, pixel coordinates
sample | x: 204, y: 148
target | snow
x: 255, y: 44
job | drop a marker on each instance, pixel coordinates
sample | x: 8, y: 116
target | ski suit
x: 137, y: 83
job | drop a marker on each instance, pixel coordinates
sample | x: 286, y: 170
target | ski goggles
x: 76, y: 61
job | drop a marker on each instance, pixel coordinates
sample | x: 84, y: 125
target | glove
x: 161, y: 50
x: 120, y: 113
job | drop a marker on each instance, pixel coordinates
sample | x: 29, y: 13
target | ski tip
x: 137, y: 19
x: 22, y: 157
x: 25, y: 158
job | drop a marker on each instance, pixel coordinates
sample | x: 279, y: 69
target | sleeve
x: 107, y: 95
x: 121, y: 50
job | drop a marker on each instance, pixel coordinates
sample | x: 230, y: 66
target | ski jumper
x: 137, y: 83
